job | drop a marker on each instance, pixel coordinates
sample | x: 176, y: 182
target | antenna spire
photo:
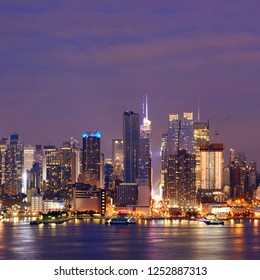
x: 146, y: 107
x: 198, y: 108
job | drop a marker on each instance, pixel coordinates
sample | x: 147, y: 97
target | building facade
x: 91, y: 158
x: 131, y: 131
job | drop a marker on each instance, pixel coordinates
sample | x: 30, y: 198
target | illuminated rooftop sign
x: 97, y: 134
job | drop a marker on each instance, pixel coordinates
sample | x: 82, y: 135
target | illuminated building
x: 38, y: 155
x: 164, y: 162
x: 51, y: 168
x: 180, y: 134
x: 66, y: 164
x: 14, y: 165
x: 34, y: 179
x: 131, y: 131
x: 91, y: 158
x: 144, y: 160
x: 126, y: 195
x: 87, y: 198
x: 212, y: 161
x: 164, y: 152
x: 29, y: 154
x: 3, y: 148
x: 118, y: 159
x: 36, y: 203
x: 109, y: 179
x: 145, y: 154
x: 180, y: 185
x: 201, y: 137
x: 173, y: 134
x: 243, y: 176
x: 178, y: 162
x: 53, y: 205
x: 75, y: 160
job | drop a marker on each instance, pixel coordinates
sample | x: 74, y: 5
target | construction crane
x: 217, y: 130
x: 220, y: 125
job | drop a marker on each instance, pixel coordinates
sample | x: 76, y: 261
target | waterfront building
x: 91, y: 159
x: 181, y: 178
x: 53, y: 205
x: 36, y: 203
x: 126, y: 195
x: 178, y: 154
x: 131, y: 132
x: 87, y: 198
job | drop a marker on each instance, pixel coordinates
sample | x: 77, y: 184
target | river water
x: 145, y: 240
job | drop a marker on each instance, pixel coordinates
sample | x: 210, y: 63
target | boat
x: 213, y: 222
x: 120, y: 219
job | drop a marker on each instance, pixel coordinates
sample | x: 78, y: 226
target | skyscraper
x: 212, y: 163
x: 51, y: 171
x: 201, y: 137
x: 178, y: 162
x: 29, y: 154
x: 131, y: 132
x: 145, y: 154
x: 14, y: 161
x: 181, y: 189
x: 91, y: 158
x: 145, y: 160
x: 75, y: 160
x: 3, y: 147
x: 66, y: 163
x: 118, y: 159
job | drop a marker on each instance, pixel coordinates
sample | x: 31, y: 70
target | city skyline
x: 68, y: 67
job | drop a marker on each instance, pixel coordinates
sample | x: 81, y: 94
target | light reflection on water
x: 154, y: 239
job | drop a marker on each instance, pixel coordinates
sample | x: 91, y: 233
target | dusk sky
x: 74, y: 66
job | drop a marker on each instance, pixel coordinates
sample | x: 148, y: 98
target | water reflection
x: 153, y: 239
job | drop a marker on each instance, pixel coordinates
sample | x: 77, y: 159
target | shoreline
x: 34, y: 221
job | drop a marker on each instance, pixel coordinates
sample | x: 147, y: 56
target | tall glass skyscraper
x: 131, y: 132
x: 145, y: 154
x: 145, y: 160
x: 14, y: 161
x: 178, y: 162
x: 91, y: 158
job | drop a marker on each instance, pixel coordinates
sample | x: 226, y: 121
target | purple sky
x: 72, y: 66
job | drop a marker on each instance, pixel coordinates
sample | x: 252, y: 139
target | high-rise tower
x: 212, y: 163
x: 145, y: 154
x: 131, y: 132
x: 145, y: 160
x: 91, y: 158
x: 118, y: 159
x: 201, y: 137
x: 14, y: 165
